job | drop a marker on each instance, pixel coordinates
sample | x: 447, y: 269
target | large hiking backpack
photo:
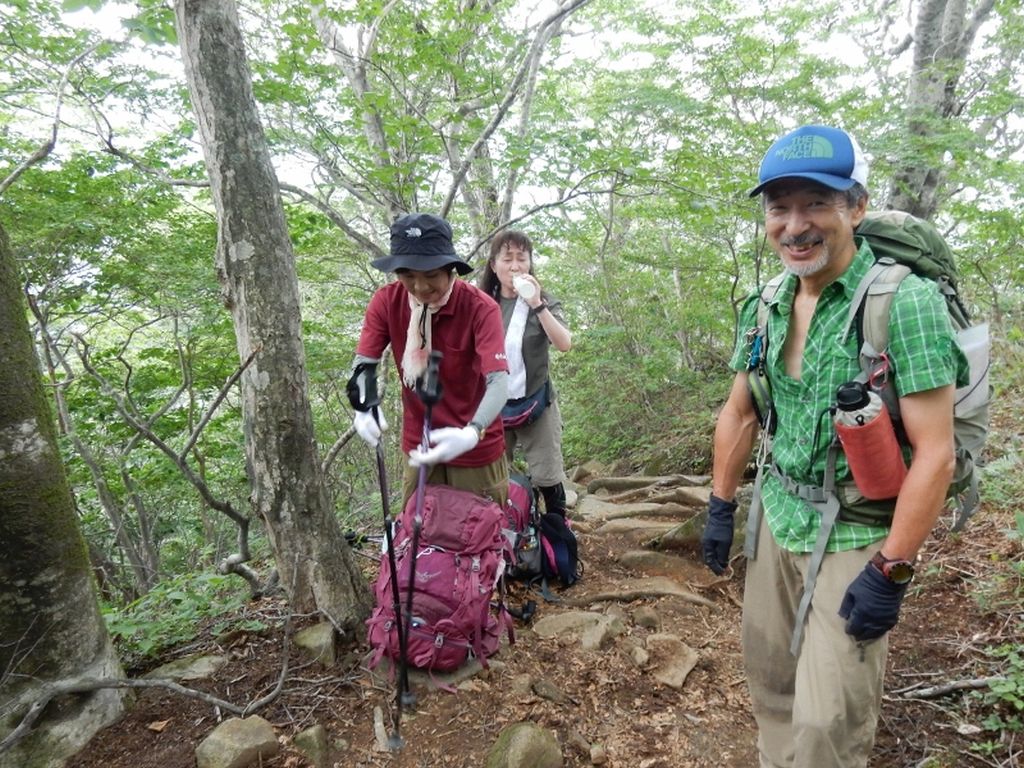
x: 460, y: 561
x: 544, y: 547
x: 902, y: 244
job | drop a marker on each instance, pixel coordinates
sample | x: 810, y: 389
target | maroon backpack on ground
x: 461, y: 559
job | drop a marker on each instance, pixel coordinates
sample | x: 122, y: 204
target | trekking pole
x: 428, y: 387
x: 367, y: 398
x: 395, y: 741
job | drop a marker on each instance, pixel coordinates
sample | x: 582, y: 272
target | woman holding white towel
x: 533, y: 324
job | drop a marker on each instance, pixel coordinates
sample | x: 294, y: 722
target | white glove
x: 367, y: 427
x: 448, y: 443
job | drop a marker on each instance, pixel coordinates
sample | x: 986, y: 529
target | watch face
x: 899, y: 572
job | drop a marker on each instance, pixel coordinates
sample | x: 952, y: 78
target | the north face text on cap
x: 802, y: 147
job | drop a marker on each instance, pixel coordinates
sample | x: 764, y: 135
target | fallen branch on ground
x: 934, y: 691
x: 628, y: 596
x: 37, y: 699
x: 47, y: 693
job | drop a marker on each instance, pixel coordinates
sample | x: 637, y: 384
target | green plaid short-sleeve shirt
x: 924, y: 355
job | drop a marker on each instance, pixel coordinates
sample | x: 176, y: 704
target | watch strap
x: 896, y: 570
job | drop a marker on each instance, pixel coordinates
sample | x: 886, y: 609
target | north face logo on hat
x: 413, y: 232
x: 806, y: 146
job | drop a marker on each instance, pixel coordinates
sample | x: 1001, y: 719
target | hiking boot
x: 554, y: 499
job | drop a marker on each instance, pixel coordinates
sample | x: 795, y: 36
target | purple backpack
x: 460, y: 562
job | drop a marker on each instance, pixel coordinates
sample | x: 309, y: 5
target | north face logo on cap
x: 806, y: 146
x: 413, y: 232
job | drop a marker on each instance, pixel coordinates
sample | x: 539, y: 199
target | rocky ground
x: 617, y: 700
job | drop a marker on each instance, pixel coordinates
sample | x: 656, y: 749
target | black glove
x: 362, y: 387
x: 871, y: 605
x: 717, y: 538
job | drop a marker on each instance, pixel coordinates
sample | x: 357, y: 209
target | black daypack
x: 561, y: 552
x: 544, y: 548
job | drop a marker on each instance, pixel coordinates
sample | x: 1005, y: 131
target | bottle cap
x: 524, y: 287
x: 852, y: 396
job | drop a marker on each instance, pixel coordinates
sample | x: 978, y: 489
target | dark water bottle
x: 869, y: 441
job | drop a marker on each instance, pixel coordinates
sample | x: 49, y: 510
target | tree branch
x: 216, y: 403
x: 48, y: 146
x: 935, y: 691
x: 332, y: 454
x: 232, y: 564
x: 513, y: 92
x: 371, y: 247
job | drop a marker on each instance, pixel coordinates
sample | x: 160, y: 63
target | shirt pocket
x: 460, y: 365
x: 841, y: 364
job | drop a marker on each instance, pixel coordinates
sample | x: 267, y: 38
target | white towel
x: 514, y: 350
x: 417, y: 339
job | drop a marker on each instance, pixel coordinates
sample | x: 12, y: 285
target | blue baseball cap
x: 826, y: 155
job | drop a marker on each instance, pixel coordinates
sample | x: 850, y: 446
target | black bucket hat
x: 423, y: 242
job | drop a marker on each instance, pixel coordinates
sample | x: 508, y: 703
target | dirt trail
x: 608, y: 700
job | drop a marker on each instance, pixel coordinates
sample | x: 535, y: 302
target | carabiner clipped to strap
x: 755, y: 341
x: 879, y: 375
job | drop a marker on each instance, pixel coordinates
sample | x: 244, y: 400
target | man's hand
x: 718, y: 531
x: 871, y: 605
x: 369, y: 425
x: 447, y: 442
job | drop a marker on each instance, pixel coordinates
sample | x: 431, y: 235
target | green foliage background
x: 626, y: 158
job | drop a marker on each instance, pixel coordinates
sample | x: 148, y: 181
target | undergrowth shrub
x: 173, y: 612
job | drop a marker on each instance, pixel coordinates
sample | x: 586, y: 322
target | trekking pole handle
x: 428, y: 385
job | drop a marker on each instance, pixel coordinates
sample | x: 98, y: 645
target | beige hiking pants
x: 818, y: 710
x: 490, y: 480
x: 542, y: 447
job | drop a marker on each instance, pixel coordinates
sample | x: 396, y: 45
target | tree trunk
x: 50, y: 623
x: 943, y: 35
x: 256, y: 268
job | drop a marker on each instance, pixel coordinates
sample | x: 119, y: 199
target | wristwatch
x: 480, y: 429
x: 897, y: 571
x: 539, y: 308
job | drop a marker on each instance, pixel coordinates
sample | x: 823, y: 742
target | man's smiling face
x: 811, y: 226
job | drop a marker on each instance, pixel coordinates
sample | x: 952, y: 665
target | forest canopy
x: 621, y: 136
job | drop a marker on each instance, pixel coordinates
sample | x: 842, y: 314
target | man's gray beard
x: 806, y: 269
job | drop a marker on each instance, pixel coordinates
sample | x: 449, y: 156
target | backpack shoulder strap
x: 757, y: 341
x: 870, y: 307
x: 757, y: 337
x: 768, y: 293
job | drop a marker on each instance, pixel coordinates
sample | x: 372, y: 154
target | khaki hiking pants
x: 818, y: 710
x: 490, y: 480
x: 542, y: 447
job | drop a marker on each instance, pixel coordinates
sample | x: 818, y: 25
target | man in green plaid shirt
x: 817, y: 692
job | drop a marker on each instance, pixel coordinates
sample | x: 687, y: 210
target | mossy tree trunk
x: 256, y: 267
x: 50, y: 625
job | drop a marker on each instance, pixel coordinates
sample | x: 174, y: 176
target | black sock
x: 554, y: 499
